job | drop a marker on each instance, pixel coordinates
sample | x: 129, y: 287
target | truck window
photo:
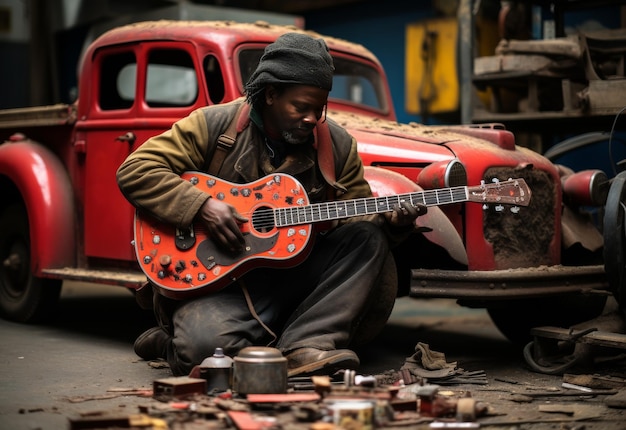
x: 353, y: 82
x: 356, y: 83
x: 118, y: 81
x: 171, y: 79
x: 214, y: 79
x: 248, y: 60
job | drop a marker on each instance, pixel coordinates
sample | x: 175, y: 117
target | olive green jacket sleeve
x: 150, y: 177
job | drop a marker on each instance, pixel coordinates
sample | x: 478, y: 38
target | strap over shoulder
x: 325, y: 156
x: 227, y: 139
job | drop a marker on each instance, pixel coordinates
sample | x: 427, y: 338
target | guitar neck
x: 329, y: 211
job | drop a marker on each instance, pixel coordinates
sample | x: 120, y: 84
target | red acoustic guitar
x: 184, y: 263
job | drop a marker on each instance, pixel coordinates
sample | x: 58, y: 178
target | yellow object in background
x: 432, y: 82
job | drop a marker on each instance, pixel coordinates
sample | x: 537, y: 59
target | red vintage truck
x: 62, y: 216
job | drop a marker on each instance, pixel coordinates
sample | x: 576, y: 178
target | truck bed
x: 38, y: 116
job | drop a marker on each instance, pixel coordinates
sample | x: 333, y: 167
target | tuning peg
x: 499, y: 208
x: 495, y: 180
x: 485, y: 207
x: 515, y: 209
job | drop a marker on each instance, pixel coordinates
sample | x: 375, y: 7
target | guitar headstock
x: 510, y: 192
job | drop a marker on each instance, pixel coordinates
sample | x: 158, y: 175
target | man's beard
x: 294, y: 139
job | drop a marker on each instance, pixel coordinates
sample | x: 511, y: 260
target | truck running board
x: 522, y: 283
x: 123, y: 278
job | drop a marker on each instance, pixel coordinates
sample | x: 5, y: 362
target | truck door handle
x: 128, y: 137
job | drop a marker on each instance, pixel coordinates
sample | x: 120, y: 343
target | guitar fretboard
x: 329, y: 211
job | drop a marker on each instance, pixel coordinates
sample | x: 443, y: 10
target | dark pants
x: 320, y: 303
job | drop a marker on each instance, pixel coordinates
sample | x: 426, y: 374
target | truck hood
x: 479, y: 147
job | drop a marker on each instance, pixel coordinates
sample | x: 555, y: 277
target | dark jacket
x: 150, y: 176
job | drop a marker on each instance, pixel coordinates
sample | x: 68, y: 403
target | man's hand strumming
x: 222, y: 222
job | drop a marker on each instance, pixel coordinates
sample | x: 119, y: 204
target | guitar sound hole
x: 263, y: 219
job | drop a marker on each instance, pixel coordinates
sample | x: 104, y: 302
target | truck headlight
x: 585, y: 188
x: 443, y: 174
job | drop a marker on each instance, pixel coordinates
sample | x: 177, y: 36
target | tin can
x: 260, y: 370
x: 352, y: 414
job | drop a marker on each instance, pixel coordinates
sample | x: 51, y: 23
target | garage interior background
x: 430, y: 76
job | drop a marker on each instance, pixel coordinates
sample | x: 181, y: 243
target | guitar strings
x: 268, y: 217
x: 339, y: 208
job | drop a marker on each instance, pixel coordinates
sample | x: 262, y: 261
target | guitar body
x: 186, y: 263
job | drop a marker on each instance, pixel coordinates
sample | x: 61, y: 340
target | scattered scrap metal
x: 331, y: 403
x: 348, y: 400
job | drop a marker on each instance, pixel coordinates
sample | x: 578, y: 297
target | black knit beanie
x: 294, y: 58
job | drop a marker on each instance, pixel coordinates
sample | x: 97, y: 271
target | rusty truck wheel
x: 23, y: 296
x: 615, y: 238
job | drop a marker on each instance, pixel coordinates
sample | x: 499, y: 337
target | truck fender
x: 46, y: 190
x: 384, y: 182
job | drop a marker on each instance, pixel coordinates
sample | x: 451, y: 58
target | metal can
x: 352, y: 414
x: 218, y: 371
x: 260, y: 370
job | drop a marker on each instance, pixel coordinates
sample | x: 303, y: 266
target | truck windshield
x: 354, y: 82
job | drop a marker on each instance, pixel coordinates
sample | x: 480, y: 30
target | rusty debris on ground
x: 405, y: 398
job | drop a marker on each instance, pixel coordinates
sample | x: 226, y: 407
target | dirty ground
x: 80, y: 367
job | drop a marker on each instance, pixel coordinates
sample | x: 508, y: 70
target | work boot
x: 151, y: 344
x: 312, y: 361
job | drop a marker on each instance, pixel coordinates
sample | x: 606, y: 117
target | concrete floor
x: 82, y: 361
x: 48, y: 371
x: 84, y: 350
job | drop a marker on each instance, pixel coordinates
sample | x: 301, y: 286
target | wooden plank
x: 606, y: 94
x: 564, y: 46
x: 513, y: 63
